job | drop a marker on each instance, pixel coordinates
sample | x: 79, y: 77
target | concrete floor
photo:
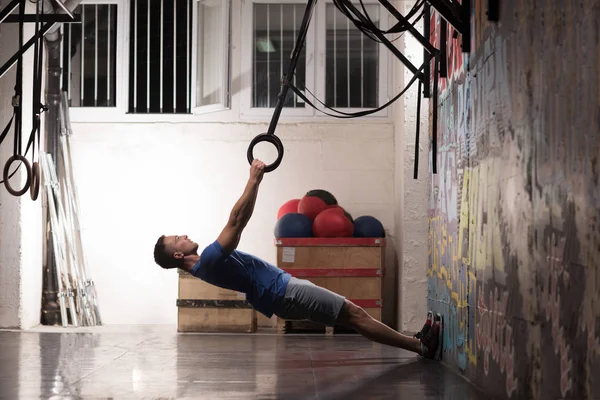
x: 159, y: 363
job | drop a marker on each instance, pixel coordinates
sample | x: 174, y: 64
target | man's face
x: 181, y: 245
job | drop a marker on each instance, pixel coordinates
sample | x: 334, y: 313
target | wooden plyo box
x: 202, y: 307
x: 351, y: 267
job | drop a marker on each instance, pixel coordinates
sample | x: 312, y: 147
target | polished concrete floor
x: 158, y: 363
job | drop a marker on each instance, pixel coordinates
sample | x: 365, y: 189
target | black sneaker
x: 432, y: 342
x: 426, y: 326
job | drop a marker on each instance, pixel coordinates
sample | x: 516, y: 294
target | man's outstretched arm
x: 242, y: 210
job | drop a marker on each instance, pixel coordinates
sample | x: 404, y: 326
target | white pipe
x: 51, y: 7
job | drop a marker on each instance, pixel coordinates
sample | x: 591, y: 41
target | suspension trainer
x: 365, y: 24
x: 17, y: 103
x: 32, y: 170
x: 286, y: 83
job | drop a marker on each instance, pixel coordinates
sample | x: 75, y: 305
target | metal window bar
x: 294, y: 12
x: 268, y: 56
x: 188, y: 47
x: 174, y: 55
x: 362, y: 71
x: 96, y: 56
x: 162, y: 41
x: 335, y: 57
x: 348, y: 61
x: 109, y: 26
x: 82, y: 63
x: 148, y: 58
x: 135, y: 52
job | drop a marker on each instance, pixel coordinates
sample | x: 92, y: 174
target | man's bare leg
x: 358, y: 319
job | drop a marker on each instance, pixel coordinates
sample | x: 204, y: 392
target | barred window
x: 89, y: 60
x: 159, y: 56
x: 175, y: 60
x: 275, y: 29
x: 179, y: 55
x: 351, y: 72
x: 339, y: 64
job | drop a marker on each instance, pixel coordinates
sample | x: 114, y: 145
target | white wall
x: 20, y: 217
x: 411, y: 196
x: 9, y: 206
x: 137, y: 181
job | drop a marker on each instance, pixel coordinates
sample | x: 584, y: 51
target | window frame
x: 247, y: 39
x: 225, y: 100
x: 119, y: 113
x: 382, y: 64
x: 316, y: 42
x: 78, y: 114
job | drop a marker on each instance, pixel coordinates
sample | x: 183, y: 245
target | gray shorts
x: 304, y: 300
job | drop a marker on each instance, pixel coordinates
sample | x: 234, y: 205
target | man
x: 271, y: 290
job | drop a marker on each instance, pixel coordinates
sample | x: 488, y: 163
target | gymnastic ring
x: 27, y: 171
x: 265, y: 137
x: 34, y: 188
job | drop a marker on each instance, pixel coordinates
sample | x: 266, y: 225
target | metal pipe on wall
x: 53, y: 41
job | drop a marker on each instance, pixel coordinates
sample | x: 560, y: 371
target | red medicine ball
x: 341, y: 210
x: 311, y: 206
x: 290, y: 206
x: 332, y: 223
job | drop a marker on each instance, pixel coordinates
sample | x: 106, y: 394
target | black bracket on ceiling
x: 47, y: 20
x: 11, y: 61
x: 402, y: 22
x: 427, y: 35
x: 493, y: 10
x: 458, y: 15
x: 55, y: 18
x: 10, y: 7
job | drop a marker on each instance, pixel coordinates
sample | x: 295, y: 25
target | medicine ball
x: 342, y: 210
x: 311, y: 206
x: 368, y: 226
x: 290, y: 206
x: 324, y: 195
x: 332, y: 223
x: 293, y: 225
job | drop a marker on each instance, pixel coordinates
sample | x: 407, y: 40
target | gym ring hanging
x: 269, y: 136
x: 5, y: 175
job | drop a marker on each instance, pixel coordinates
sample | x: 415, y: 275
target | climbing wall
x: 514, y: 213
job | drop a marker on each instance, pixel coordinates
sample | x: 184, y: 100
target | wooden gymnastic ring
x: 34, y: 188
x: 11, y: 160
x: 265, y: 137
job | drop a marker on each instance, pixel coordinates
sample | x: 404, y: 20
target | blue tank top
x: 263, y: 283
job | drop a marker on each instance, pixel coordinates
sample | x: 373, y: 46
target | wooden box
x: 202, y: 307
x: 351, y: 267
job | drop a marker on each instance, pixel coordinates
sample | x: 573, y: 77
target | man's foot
x: 432, y: 342
x: 421, y: 334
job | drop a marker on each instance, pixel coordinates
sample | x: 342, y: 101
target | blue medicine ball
x: 293, y: 225
x: 368, y: 226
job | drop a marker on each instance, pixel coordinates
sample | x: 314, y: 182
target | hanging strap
x: 416, y: 166
x: 18, y: 97
x: 358, y: 113
x: 37, y: 107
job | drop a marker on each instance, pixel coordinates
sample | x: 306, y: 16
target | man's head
x: 170, y: 251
